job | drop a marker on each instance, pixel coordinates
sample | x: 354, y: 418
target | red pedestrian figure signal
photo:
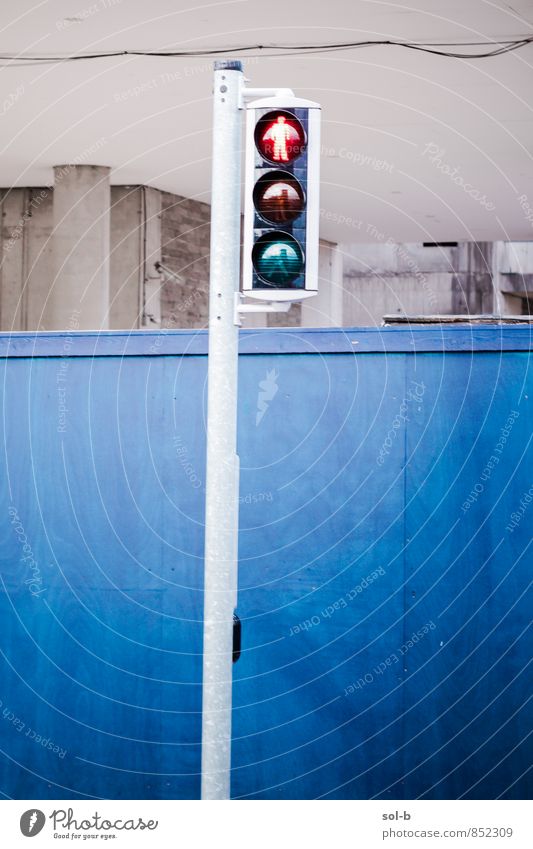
x: 280, y: 134
x: 280, y: 137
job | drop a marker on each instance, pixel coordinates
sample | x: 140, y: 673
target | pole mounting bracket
x: 264, y: 306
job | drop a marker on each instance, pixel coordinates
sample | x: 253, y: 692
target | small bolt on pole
x: 221, y: 505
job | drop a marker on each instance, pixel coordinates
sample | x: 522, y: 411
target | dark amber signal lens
x: 279, y: 137
x: 279, y: 197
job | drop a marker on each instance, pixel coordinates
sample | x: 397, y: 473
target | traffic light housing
x: 281, y: 206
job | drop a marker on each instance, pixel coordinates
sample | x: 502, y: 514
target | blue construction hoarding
x: 386, y: 506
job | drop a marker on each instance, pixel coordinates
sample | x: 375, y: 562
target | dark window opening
x: 439, y: 244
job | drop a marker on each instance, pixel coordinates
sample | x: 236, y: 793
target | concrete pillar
x: 80, y: 289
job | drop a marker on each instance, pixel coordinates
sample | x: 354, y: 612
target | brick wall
x: 185, y: 250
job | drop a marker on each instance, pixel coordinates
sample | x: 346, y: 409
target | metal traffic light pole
x: 221, y: 502
x: 222, y: 473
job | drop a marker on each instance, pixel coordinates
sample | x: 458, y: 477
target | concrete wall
x: 126, y: 257
x: 513, y: 269
x: 358, y: 284
x: 135, y: 283
x: 27, y: 262
x: 26, y: 257
x: 413, y: 279
x: 473, y: 290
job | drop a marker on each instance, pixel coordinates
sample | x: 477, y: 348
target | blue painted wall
x: 371, y: 511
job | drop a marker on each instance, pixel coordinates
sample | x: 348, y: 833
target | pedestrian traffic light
x: 281, y: 213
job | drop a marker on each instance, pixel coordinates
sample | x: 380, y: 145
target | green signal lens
x: 278, y: 259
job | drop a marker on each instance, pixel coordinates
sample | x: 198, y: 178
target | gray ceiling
x: 415, y: 147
